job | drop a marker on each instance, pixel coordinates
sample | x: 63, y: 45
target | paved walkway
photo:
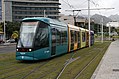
x: 109, y: 65
x: 6, y: 44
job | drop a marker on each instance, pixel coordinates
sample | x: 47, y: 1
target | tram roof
x: 1, y: 32
x: 47, y: 20
x: 82, y: 29
x: 73, y: 27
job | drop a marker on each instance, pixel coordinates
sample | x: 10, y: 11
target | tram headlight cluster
x: 17, y: 49
x: 23, y: 50
x: 30, y: 50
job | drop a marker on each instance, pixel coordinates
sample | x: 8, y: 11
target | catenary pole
x: 44, y: 13
x: 89, y: 20
x: 4, y: 21
x: 109, y: 30
x: 102, y: 31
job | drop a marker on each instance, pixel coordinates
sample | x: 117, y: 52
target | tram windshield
x: 27, y: 33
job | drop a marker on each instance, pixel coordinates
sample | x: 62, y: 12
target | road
x: 7, y: 48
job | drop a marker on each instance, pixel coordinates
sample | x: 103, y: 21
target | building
x: 80, y: 21
x: 0, y: 10
x: 16, y: 10
x: 68, y: 19
x: 113, y: 24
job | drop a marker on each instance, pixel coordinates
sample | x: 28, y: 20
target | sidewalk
x: 6, y: 44
x: 109, y: 65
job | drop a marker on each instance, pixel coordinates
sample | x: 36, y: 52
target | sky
x: 83, y: 4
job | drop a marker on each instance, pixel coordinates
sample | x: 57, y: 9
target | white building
x: 113, y: 24
x: 69, y: 19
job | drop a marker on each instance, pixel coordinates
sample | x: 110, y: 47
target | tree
x: 117, y: 30
x: 15, y: 35
x: 1, y: 27
x: 11, y: 27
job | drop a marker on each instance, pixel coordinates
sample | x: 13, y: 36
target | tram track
x: 45, y: 69
x: 52, y: 69
x: 58, y: 77
x: 82, y: 70
x: 36, y: 68
x: 67, y: 62
x: 12, y: 68
x: 16, y: 71
x: 12, y: 65
x: 62, y: 68
x: 23, y: 69
x: 70, y: 61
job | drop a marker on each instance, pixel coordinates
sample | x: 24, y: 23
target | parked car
x: 11, y: 40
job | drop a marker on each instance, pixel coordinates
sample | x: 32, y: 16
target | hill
x: 98, y: 19
x: 114, y: 17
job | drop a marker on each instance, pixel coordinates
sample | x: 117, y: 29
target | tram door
x: 53, y: 47
x: 72, y: 40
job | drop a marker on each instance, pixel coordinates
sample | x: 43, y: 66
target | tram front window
x: 27, y: 33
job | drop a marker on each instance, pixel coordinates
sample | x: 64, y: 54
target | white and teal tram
x: 43, y: 38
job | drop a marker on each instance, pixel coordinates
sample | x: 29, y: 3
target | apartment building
x: 16, y: 10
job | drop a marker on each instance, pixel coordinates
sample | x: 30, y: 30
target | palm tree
x: 1, y: 29
x: 14, y: 35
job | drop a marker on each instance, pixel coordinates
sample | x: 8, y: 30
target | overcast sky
x: 83, y: 4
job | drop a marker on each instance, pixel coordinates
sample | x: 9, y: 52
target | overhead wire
x: 72, y: 7
x: 96, y: 5
x: 67, y: 2
x: 92, y: 1
x: 70, y: 4
x: 81, y: 5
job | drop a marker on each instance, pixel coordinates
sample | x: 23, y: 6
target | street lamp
x: 102, y: 31
x: 89, y: 21
x: 4, y: 37
x: 44, y: 13
x: 109, y: 31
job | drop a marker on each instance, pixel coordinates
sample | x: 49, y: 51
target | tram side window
x: 41, y: 40
x: 83, y: 36
x: 58, y: 38
x: 54, y: 32
x: 72, y: 36
x: 75, y: 35
x: 63, y: 36
x: 79, y: 37
x: 92, y: 37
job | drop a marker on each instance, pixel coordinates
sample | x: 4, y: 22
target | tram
x: 43, y: 38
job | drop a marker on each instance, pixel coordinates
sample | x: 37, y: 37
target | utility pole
x: 102, y: 31
x: 109, y: 30
x: 89, y: 20
x: 4, y: 21
x: 44, y: 13
x: 74, y: 19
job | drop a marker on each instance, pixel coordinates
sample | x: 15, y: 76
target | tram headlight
x: 17, y: 50
x: 30, y: 50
